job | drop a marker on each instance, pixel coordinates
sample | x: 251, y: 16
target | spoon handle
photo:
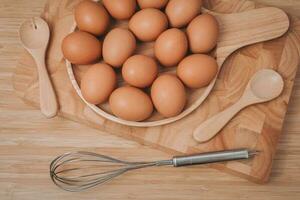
x: 209, y: 128
x: 48, y: 102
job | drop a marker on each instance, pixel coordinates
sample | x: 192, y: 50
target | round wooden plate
x: 236, y: 30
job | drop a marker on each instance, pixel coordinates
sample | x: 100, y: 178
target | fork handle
x: 48, y: 102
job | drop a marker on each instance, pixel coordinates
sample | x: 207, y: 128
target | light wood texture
x: 34, y: 35
x: 256, y: 127
x: 264, y: 86
x: 236, y: 30
x: 29, y: 142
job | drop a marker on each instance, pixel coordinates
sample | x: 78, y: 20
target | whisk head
x: 79, y: 171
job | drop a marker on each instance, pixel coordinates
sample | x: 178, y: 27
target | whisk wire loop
x: 60, y: 173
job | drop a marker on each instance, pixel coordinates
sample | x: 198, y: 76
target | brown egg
x: 197, y: 70
x: 181, y: 12
x: 171, y: 47
x: 148, y: 24
x: 152, y: 3
x: 120, y: 9
x: 131, y: 104
x: 91, y: 17
x: 81, y: 48
x: 98, y: 83
x: 203, y: 33
x: 140, y: 71
x: 118, y: 45
x: 168, y: 95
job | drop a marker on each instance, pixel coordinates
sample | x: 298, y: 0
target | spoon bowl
x: 34, y: 34
x: 266, y: 84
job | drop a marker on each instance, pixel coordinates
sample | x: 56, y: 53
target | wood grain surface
x: 28, y: 143
x: 257, y: 127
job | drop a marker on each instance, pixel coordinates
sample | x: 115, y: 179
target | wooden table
x: 28, y: 143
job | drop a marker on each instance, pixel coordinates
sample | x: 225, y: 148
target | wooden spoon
x: 35, y: 36
x: 264, y: 86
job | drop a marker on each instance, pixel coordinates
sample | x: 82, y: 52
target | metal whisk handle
x: 212, y: 157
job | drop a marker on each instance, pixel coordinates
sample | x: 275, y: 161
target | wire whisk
x: 78, y: 171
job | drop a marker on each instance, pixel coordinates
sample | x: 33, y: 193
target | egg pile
x: 182, y: 38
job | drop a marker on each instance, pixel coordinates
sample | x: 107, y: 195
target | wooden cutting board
x: 256, y: 127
